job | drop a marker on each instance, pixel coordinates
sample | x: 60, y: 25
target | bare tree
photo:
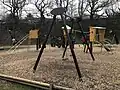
x: 82, y: 7
x: 62, y: 3
x: 96, y: 6
x: 113, y: 9
x: 43, y: 6
x: 71, y: 8
x: 14, y: 9
x: 109, y: 12
x: 14, y: 6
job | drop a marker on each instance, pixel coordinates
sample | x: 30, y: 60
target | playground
x: 92, y: 64
x: 101, y: 74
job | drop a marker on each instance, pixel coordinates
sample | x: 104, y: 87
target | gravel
x: 101, y: 74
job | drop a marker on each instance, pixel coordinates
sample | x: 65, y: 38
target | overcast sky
x: 30, y: 8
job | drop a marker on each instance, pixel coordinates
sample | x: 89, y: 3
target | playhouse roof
x: 99, y: 27
x: 68, y: 27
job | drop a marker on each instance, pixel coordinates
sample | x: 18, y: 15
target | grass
x: 5, y: 85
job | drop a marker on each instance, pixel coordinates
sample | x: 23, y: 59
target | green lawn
x: 4, y: 85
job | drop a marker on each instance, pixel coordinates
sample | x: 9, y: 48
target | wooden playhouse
x: 97, y: 34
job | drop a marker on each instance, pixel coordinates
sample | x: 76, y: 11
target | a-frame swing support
x: 59, y: 11
x: 81, y: 30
